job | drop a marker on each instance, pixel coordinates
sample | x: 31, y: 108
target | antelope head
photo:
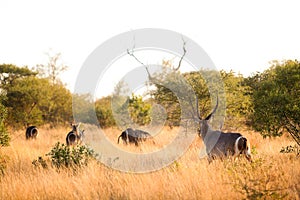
x: 203, y: 123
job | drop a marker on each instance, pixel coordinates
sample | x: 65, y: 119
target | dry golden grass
x: 271, y: 176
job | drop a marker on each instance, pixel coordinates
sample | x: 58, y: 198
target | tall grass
x: 272, y: 175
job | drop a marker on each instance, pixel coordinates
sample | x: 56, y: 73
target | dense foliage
x: 206, y: 84
x: 134, y: 111
x: 83, y: 109
x: 276, y: 99
x: 104, y: 112
x: 32, y: 100
x: 62, y: 156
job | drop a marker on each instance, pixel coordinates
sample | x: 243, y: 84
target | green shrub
x: 63, y: 156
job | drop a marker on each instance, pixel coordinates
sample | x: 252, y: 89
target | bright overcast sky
x: 239, y: 35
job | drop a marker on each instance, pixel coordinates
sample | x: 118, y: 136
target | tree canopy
x: 9, y: 73
x: 29, y: 99
x: 276, y: 99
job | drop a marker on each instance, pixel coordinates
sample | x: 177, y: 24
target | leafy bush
x: 62, y: 156
x: 4, y: 136
x: 276, y: 100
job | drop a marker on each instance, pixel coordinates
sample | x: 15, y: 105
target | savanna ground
x: 271, y: 175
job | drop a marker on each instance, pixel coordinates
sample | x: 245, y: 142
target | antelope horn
x: 214, y: 110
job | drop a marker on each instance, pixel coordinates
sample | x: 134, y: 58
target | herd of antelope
x: 74, y: 137
x: 218, y: 144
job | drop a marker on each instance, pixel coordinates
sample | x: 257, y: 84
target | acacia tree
x: 9, y: 73
x: 276, y: 100
x: 32, y: 100
x: 10, y: 76
x: 24, y: 98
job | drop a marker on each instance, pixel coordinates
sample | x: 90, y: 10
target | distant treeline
x: 268, y: 102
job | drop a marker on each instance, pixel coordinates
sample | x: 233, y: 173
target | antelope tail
x: 248, y: 152
x: 119, y: 138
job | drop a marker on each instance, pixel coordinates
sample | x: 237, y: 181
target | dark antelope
x: 75, y: 136
x: 134, y: 136
x: 219, y: 144
x: 31, y: 132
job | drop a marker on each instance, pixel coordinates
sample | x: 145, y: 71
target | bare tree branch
x: 53, y: 68
x: 184, y: 52
x: 292, y: 129
x: 131, y: 53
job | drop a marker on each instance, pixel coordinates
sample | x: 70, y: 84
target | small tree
x: 139, y: 110
x: 104, y: 112
x: 23, y: 100
x: 276, y: 100
x: 64, y: 157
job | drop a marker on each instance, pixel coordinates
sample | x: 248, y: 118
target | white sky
x: 239, y: 35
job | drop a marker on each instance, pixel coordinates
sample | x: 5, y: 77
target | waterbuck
x: 134, y: 136
x: 75, y: 136
x: 219, y: 144
x: 31, y: 132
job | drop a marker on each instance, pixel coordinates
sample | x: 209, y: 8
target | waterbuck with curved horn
x: 75, y: 136
x: 219, y: 144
